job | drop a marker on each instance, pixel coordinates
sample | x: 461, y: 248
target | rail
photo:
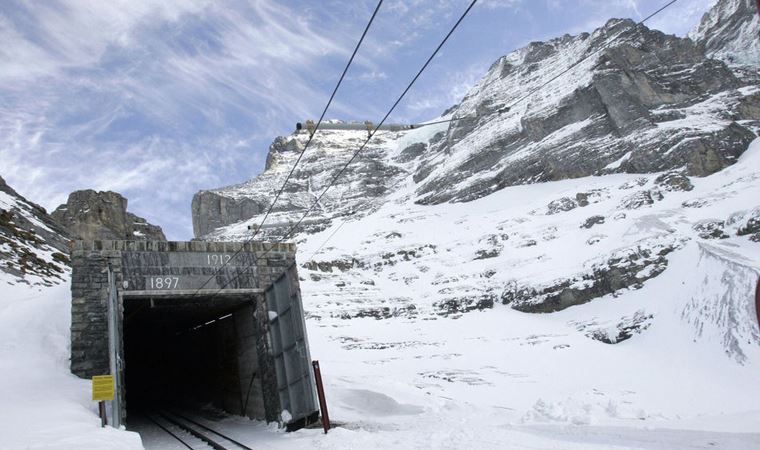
x: 186, y: 427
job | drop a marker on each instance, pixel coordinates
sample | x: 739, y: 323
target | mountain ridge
x: 691, y: 113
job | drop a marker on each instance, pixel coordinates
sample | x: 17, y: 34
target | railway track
x: 193, y: 434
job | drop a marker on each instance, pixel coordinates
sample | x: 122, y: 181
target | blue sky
x: 158, y: 100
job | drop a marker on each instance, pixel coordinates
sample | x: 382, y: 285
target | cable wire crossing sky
x: 158, y: 100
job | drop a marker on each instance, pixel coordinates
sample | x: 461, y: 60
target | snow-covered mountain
x: 657, y: 110
x: 642, y: 102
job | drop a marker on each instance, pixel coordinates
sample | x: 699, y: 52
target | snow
x: 751, y: 156
x: 499, y: 369
x: 7, y: 201
x: 42, y: 405
x: 503, y: 379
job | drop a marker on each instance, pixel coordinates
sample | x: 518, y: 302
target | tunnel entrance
x: 193, y: 324
x: 191, y: 352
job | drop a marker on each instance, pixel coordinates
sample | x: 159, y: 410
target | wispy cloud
x: 142, y: 97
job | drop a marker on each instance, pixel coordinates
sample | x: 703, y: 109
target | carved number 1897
x: 164, y: 282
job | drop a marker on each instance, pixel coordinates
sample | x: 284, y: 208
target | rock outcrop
x: 91, y: 215
x: 33, y: 247
x: 642, y: 102
x: 370, y: 178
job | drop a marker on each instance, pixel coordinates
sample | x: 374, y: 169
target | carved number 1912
x: 216, y: 260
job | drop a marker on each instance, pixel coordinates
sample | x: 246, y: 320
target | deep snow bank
x: 42, y: 405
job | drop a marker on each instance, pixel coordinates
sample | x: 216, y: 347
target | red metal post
x: 758, y: 6
x: 321, y: 395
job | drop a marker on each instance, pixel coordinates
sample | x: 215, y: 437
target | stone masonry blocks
x: 89, y: 307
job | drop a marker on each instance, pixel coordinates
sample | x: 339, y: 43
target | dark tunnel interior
x: 181, y: 352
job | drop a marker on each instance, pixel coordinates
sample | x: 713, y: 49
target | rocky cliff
x: 643, y: 102
x: 91, y: 215
x: 371, y: 177
x: 584, y: 193
x: 33, y: 247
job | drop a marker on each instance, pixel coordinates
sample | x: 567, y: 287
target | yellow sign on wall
x: 102, y: 387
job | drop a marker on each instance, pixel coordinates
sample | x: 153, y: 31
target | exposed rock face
x: 646, y: 102
x: 641, y: 199
x: 711, y: 229
x: 369, y: 178
x: 625, y: 269
x: 33, y: 247
x: 625, y: 329
x: 674, y: 181
x: 593, y: 220
x: 212, y: 210
x: 751, y: 226
x: 91, y: 215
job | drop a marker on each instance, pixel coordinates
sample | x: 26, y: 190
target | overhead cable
x: 374, y: 130
x: 544, y: 84
x: 504, y: 109
x: 298, y: 160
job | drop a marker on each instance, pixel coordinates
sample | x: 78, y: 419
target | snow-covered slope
x: 405, y: 312
x: 543, y: 248
x: 42, y: 405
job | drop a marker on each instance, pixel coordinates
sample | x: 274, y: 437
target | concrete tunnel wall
x: 132, y: 261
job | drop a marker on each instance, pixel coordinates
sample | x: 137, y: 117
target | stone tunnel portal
x: 238, y: 343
